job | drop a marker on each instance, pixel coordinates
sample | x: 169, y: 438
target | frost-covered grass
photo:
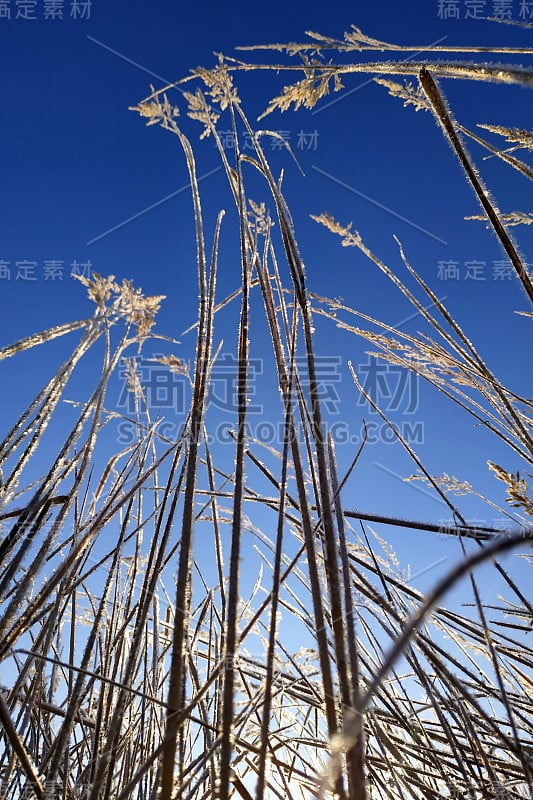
x: 131, y: 595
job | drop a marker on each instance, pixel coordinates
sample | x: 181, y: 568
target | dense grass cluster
x: 126, y: 664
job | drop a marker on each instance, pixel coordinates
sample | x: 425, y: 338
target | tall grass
x: 126, y: 666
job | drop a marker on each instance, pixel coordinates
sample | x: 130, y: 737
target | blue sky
x: 85, y: 181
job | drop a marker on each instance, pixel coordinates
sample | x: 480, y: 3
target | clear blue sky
x: 83, y: 180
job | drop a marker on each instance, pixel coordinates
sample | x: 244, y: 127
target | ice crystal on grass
x: 350, y: 238
x: 517, y: 488
x: 175, y: 364
x: 308, y: 91
x: 127, y: 301
x: 448, y: 483
x: 133, y: 381
x: 514, y: 218
x: 522, y: 139
x: 219, y: 85
x: 407, y: 92
x: 200, y: 110
x: 156, y: 108
x: 259, y: 218
x: 99, y: 289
